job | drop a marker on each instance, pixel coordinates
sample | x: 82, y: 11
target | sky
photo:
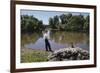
x: 45, y: 15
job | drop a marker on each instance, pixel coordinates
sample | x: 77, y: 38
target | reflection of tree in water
x: 60, y: 38
x: 29, y: 38
x: 69, y: 37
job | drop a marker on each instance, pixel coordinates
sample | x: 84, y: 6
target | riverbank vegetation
x: 67, y: 22
x: 65, y: 54
x: 31, y: 55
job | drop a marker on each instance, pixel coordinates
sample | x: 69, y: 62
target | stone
x: 66, y: 54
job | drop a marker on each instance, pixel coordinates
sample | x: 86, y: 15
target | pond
x: 58, y: 40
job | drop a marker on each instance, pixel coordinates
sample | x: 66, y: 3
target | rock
x: 66, y: 54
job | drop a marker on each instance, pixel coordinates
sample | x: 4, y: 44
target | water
x: 58, y: 40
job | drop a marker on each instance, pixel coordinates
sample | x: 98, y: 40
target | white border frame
x: 52, y: 64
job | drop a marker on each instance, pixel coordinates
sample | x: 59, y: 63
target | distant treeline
x: 66, y: 22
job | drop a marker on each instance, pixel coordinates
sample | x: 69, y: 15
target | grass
x: 30, y: 55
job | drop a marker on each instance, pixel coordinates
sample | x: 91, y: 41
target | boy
x: 46, y: 36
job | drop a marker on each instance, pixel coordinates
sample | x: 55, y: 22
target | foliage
x: 51, y: 22
x: 70, y: 22
x: 67, y: 22
x: 30, y: 55
x: 86, y: 24
x: 30, y: 23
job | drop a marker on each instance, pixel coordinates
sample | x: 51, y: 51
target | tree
x: 69, y: 15
x: 51, y: 22
x: 86, y: 24
x: 75, y: 23
x: 63, y: 19
x: 40, y: 25
x: 30, y: 24
x: 56, y: 21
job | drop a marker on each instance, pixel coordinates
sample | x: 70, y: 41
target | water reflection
x: 59, y: 39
